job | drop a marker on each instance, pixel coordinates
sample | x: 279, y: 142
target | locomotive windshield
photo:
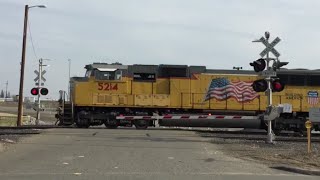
x: 108, y: 74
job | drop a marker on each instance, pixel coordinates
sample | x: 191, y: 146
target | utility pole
x: 20, y: 106
x: 69, y: 97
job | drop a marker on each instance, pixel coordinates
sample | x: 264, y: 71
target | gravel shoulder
x: 282, y: 153
x: 10, y: 137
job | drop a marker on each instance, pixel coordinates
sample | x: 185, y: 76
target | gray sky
x: 214, y: 33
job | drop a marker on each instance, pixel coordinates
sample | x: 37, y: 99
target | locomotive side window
x: 297, y: 80
x: 284, y: 78
x: 173, y: 72
x: 144, y: 77
x: 118, y: 75
x: 313, y: 80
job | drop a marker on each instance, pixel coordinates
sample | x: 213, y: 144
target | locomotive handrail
x: 301, y: 102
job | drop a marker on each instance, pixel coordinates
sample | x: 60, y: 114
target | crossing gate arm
x: 211, y: 117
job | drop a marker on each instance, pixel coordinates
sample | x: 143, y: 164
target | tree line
x: 3, y: 95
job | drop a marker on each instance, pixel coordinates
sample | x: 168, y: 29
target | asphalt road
x: 127, y: 154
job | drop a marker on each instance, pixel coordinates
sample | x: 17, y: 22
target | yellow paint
x: 180, y: 93
x: 308, y: 124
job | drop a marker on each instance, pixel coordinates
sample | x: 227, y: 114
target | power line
x: 34, y: 51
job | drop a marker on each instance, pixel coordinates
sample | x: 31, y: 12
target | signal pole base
x: 270, y: 138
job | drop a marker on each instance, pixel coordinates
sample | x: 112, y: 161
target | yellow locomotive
x: 111, y: 90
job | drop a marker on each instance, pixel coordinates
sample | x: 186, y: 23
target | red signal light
x: 260, y: 85
x: 34, y: 91
x: 277, y: 86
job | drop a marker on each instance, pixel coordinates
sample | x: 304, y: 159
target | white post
x: 270, y: 136
x: 39, y: 87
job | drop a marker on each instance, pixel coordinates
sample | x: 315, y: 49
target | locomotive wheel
x: 141, y: 124
x: 83, y: 124
x: 111, y: 123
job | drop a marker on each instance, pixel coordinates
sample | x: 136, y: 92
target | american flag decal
x: 222, y: 89
x: 313, y: 97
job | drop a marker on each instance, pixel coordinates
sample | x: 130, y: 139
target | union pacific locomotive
x: 109, y: 91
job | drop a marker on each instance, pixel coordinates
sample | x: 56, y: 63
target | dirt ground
x: 48, y: 116
x: 281, y: 153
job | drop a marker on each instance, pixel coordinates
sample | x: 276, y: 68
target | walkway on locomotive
x: 189, y: 87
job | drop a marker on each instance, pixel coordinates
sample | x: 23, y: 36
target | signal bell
x: 258, y: 65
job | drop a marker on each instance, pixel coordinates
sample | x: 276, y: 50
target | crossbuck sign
x: 42, y: 78
x: 270, y: 47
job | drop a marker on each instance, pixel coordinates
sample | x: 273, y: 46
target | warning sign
x: 314, y: 114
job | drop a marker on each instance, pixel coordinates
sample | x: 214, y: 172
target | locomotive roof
x: 194, y: 69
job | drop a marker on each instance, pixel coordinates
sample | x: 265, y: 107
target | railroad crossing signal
x: 42, y: 91
x: 277, y: 64
x: 258, y: 65
x: 277, y: 85
x: 42, y: 73
x: 261, y: 85
x: 269, y: 47
x: 272, y: 112
x: 268, y: 83
x: 268, y: 73
x: 34, y: 91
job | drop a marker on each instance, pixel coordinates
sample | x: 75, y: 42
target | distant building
x: 29, y: 99
x: 6, y: 100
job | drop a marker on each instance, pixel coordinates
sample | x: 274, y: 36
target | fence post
x: 259, y: 103
x: 300, y: 104
x: 181, y: 99
x: 280, y: 99
x: 226, y: 101
x: 242, y: 101
x: 192, y: 100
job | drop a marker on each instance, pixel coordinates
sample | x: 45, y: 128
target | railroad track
x: 244, y: 135
x: 256, y: 132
